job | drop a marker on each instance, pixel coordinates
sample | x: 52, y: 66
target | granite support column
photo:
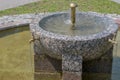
x: 71, y: 67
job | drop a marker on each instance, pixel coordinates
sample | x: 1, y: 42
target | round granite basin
x: 90, y: 39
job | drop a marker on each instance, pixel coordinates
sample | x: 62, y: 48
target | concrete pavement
x: 118, y: 1
x: 5, y: 4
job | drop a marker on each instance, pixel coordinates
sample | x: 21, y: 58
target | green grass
x: 103, y: 6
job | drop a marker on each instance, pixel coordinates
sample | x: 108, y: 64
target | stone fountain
x: 81, y: 36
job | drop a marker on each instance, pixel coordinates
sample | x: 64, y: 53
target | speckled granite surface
x: 89, y: 47
x: 73, y: 50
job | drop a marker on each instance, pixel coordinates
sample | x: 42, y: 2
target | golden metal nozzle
x: 73, y: 12
x: 73, y: 5
x: 112, y: 41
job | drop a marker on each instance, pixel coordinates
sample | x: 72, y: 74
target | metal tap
x: 73, y: 12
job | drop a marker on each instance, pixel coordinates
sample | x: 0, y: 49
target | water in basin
x: 15, y: 56
x: 61, y: 24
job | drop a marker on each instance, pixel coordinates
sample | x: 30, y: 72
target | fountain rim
x: 113, y: 28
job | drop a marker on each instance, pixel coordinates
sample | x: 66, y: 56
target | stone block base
x: 101, y: 65
x: 47, y: 64
x: 71, y: 75
x: 94, y: 69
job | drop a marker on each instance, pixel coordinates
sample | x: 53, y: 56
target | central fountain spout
x: 73, y: 13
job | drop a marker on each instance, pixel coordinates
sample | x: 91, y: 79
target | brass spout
x: 73, y: 12
x: 34, y: 37
x: 112, y: 41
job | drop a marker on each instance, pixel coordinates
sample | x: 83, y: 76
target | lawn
x: 103, y: 6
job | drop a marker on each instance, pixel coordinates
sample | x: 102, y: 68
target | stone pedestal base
x: 101, y: 65
x: 47, y: 68
x: 99, y: 69
x: 47, y: 64
x: 71, y: 75
x: 71, y: 67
